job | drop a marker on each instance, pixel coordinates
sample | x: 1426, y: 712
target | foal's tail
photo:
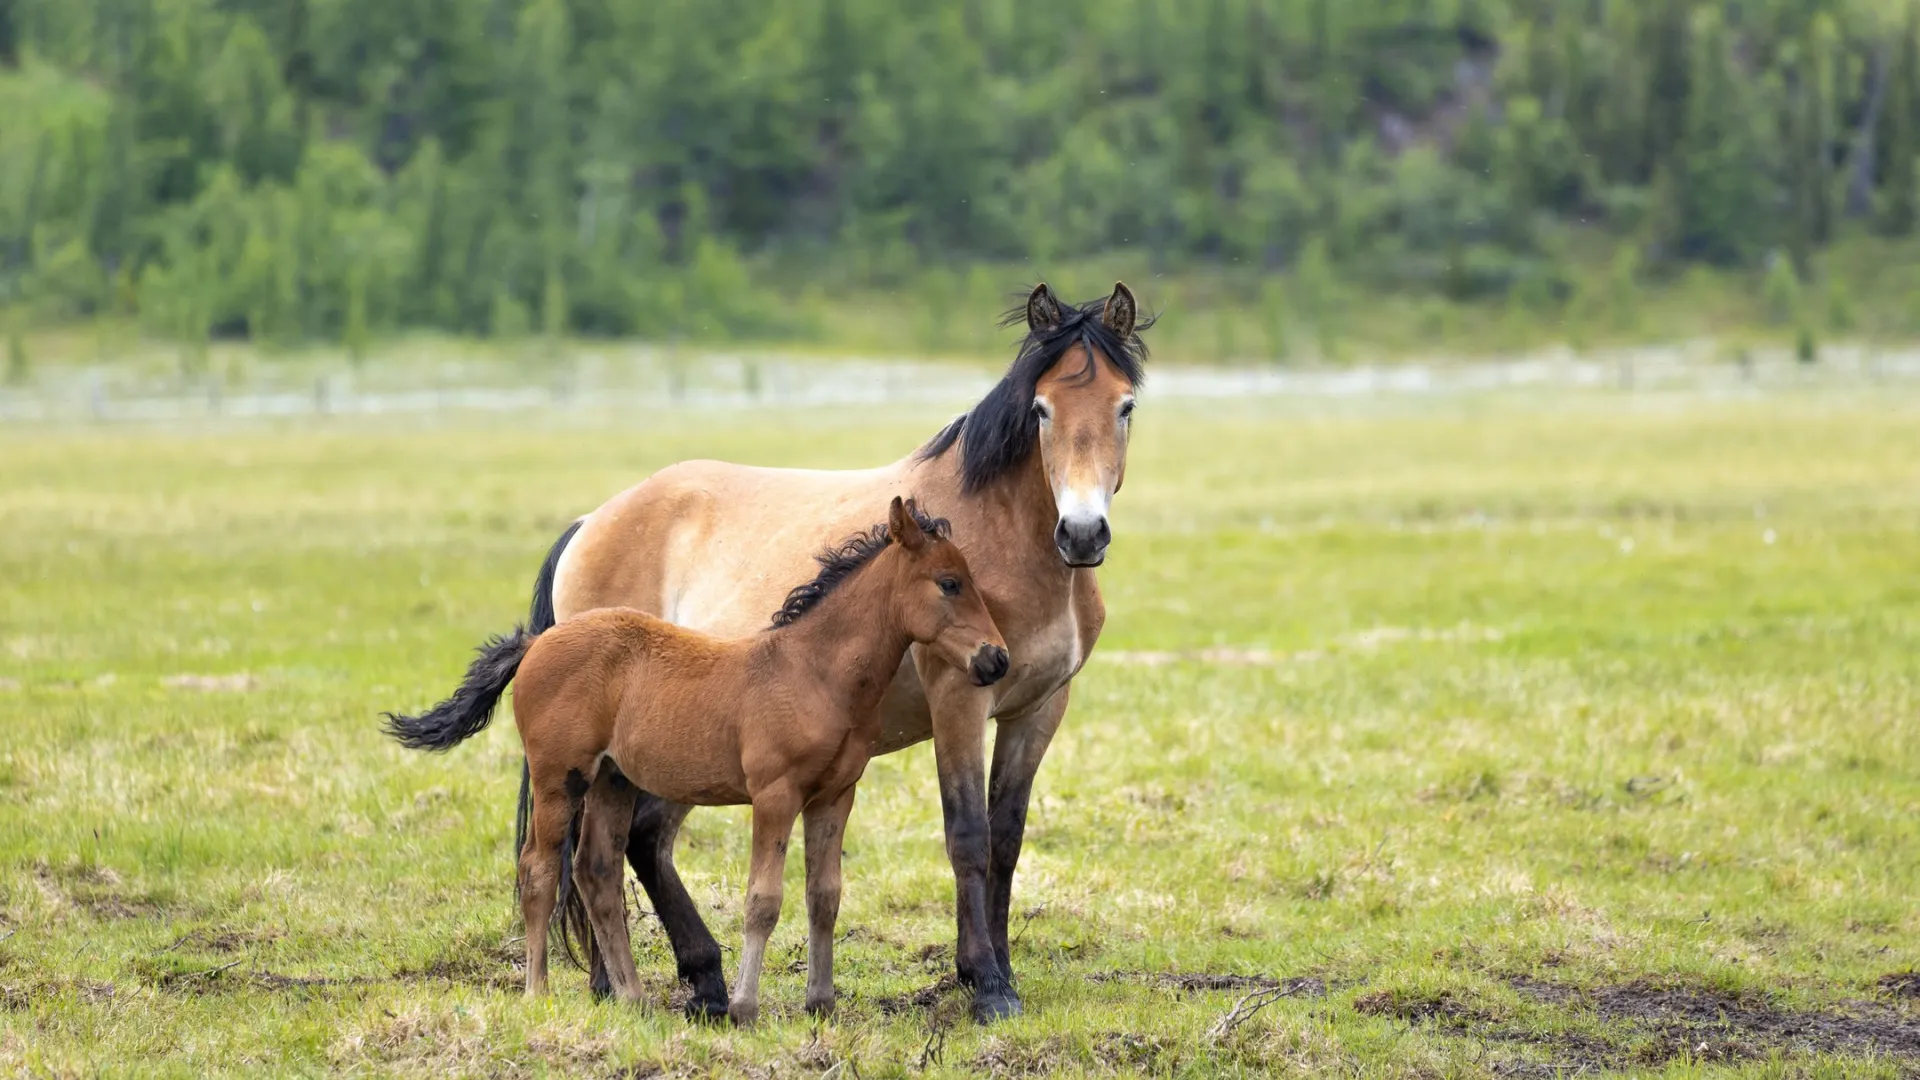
x: 463, y: 715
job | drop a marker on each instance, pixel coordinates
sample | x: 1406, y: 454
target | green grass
x: 1540, y: 733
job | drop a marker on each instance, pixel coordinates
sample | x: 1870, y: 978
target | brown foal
x: 615, y: 700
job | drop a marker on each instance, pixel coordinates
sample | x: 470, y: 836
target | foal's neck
x: 851, y: 642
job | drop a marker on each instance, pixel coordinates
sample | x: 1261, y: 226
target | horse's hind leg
x: 555, y: 796
x: 826, y: 833
x: 773, y: 814
x: 597, y: 872
x: 656, y: 824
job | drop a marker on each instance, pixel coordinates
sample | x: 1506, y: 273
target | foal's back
x: 659, y: 699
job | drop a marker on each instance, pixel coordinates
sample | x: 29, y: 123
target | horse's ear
x: 902, y: 528
x: 1120, y: 311
x: 1043, y: 311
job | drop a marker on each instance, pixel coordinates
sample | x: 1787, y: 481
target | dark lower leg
x: 968, y: 850
x: 1018, y: 746
x: 656, y: 824
x: 1007, y: 826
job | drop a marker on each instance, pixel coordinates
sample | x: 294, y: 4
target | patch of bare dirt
x: 273, y: 980
x: 1442, y: 1009
x: 1905, y: 984
x: 467, y: 971
x: 1201, y: 981
x: 17, y: 998
x: 1651, y: 1024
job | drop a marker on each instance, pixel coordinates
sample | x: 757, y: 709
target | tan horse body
x: 709, y: 545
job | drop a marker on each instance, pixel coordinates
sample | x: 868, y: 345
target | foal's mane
x: 1000, y: 432
x: 841, y: 561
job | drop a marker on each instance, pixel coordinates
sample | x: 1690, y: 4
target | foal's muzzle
x: 989, y: 664
x: 1082, y: 541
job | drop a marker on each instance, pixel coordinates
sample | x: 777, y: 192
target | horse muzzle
x: 989, y: 665
x: 1082, y: 540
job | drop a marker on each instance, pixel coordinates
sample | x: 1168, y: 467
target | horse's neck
x: 851, y: 642
x: 1017, y: 510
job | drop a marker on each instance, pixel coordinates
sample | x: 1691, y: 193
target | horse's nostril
x: 989, y: 664
x: 1103, y: 534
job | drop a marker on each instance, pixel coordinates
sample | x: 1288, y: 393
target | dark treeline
x: 292, y: 169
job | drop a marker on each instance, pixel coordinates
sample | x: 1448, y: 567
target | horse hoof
x: 820, y: 1009
x: 988, y: 1008
x: 706, y: 1010
x: 744, y: 1014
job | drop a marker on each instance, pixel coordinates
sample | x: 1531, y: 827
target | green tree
x: 1902, y: 202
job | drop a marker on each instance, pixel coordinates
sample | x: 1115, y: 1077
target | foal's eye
x: 950, y: 586
x: 1042, y: 410
x: 1126, y: 410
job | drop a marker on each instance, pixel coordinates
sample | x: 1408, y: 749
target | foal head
x: 934, y: 598
x: 924, y: 581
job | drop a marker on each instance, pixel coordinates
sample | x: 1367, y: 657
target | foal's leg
x: 555, y: 795
x: 773, y: 814
x: 656, y: 824
x: 826, y: 832
x: 597, y: 873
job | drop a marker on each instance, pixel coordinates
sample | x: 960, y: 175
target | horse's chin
x: 1088, y: 565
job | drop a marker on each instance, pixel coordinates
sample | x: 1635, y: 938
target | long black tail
x: 463, y: 715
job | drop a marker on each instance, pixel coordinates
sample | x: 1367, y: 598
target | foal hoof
x: 988, y: 1008
x: 744, y: 1013
x: 820, y: 1009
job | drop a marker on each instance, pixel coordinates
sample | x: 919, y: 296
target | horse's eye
x: 950, y: 586
x: 1126, y: 410
x: 1042, y: 410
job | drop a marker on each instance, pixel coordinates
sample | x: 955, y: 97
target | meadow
x: 1494, y: 734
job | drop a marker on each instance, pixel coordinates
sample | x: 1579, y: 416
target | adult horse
x: 1026, y: 476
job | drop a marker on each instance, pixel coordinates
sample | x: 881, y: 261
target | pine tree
x: 1724, y: 192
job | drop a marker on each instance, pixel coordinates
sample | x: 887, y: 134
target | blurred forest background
x: 1294, y: 179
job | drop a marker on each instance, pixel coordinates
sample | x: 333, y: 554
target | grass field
x: 1491, y: 736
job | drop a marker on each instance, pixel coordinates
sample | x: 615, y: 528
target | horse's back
x: 712, y: 545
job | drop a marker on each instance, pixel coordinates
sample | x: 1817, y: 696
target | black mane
x: 1000, y: 432
x: 838, y: 563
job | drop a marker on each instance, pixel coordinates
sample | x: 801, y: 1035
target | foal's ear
x: 902, y: 528
x: 1043, y: 311
x: 1120, y: 311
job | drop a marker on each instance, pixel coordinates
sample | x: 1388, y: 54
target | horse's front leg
x: 773, y: 814
x: 826, y: 833
x: 959, y: 732
x: 1018, y: 745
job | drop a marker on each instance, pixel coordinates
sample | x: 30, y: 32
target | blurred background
x: 224, y: 191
